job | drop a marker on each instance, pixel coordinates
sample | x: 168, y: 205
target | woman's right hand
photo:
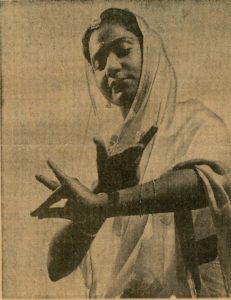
x: 120, y: 171
x: 83, y: 207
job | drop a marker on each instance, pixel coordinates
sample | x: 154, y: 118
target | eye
x: 99, y: 65
x: 122, y: 50
x: 100, y: 61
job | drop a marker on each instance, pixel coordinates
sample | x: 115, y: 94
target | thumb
x: 148, y: 136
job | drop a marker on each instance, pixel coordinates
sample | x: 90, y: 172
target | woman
x: 158, y: 223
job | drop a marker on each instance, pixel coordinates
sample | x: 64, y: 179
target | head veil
x: 143, y: 248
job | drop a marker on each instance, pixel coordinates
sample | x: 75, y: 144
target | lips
x: 117, y: 85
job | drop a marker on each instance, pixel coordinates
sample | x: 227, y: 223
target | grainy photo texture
x: 116, y: 149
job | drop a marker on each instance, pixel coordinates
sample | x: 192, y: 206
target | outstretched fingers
x: 56, y: 196
x: 56, y: 212
x: 148, y: 136
x: 193, y: 162
x: 69, y: 188
x: 50, y: 184
x: 60, y: 175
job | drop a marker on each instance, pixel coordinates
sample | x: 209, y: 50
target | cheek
x: 135, y: 64
x: 139, y: 58
x: 138, y: 64
x: 99, y: 79
x: 101, y: 83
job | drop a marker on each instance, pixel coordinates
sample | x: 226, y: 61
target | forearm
x: 67, y: 250
x: 173, y: 191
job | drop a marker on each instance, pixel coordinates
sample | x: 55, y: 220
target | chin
x: 123, y: 99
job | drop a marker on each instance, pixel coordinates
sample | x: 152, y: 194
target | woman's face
x: 116, y: 60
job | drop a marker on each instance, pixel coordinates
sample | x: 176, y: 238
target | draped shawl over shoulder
x: 141, y: 252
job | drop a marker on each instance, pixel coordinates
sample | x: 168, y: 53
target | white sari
x: 142, y: 252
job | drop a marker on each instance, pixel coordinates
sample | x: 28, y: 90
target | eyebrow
x: 104, y: 48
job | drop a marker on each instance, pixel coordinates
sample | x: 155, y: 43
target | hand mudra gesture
x: 120, y: 170
x: 82, y: 207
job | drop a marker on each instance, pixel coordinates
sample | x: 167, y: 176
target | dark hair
x: 113, y: 15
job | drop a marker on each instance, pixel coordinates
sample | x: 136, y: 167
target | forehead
x: 106, y: 35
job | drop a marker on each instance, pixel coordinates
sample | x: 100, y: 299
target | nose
x: 113, y: 65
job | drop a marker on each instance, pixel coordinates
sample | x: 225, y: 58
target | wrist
x: 124, y: 202
x: 89, y: 219
x: 96, y: 216
x: 136, y: 200
x: 102, y: 205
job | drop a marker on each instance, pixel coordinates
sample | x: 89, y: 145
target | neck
x: 126, y: 107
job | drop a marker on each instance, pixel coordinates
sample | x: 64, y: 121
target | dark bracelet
x: 124, y: 202
x: 136, y: 200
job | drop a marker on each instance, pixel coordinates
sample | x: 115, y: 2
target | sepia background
x: 45, y: 104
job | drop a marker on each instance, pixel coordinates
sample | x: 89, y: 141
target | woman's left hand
x: 83, y: 206
x: 120, y: 170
